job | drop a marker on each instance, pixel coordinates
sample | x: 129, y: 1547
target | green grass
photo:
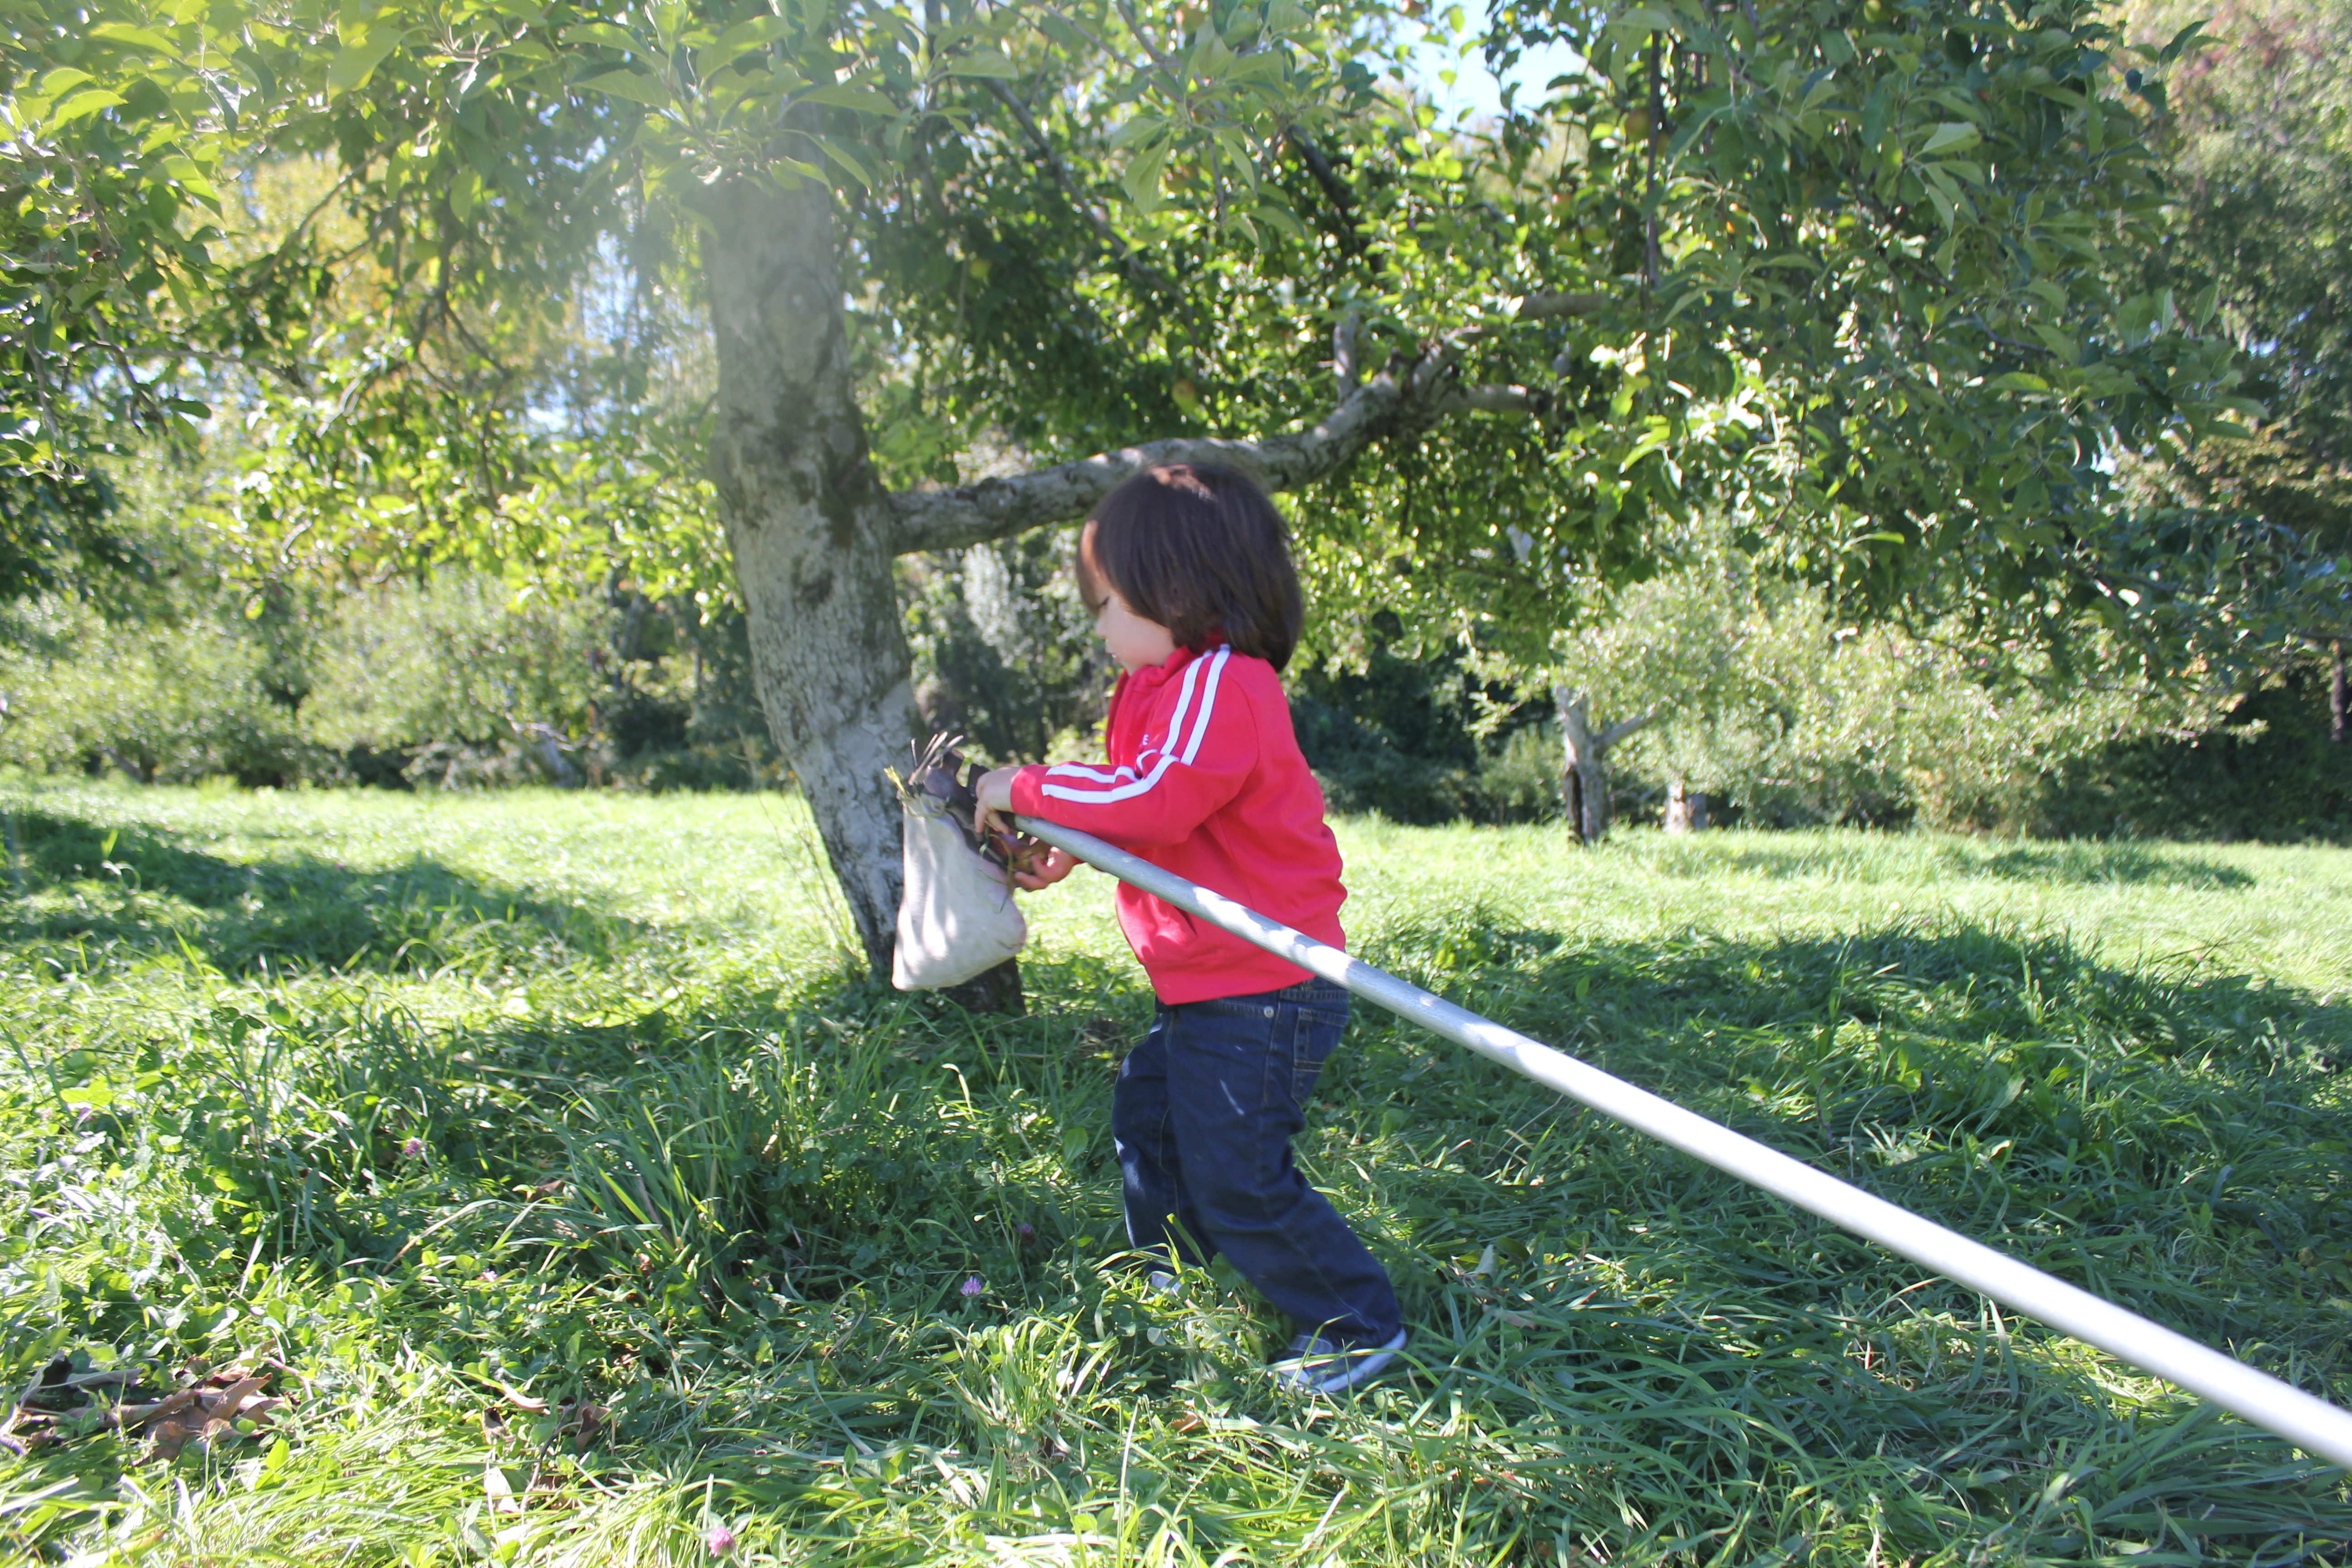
x: 425, y: 1099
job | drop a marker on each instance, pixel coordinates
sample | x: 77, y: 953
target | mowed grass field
x: 580, y: 1203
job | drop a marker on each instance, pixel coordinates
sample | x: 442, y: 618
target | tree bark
x: 996, y: 990
x: 1584, y: 781
x: 2339, y: 696
x: 1685, y: 809
x: 811, y: 529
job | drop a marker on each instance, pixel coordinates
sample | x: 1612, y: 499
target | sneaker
x: 1162, y: 1281
x: 1319, y: 1364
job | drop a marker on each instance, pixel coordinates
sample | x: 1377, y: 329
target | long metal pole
x: 2311, y: 1424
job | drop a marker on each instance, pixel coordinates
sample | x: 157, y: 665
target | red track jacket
x: 1205, y: 780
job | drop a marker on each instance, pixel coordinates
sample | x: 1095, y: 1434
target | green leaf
x: 1944, y: 210
x: 192, y: 179
x: 2058, y: 342
x: 607, y: 34
x: 357, y: 61
x: 848, y: 159
x: 2016, y: 381
x: 89, y: 101
x: 1951, y: 136
x: 637, y: 87
x: 1875, y: 113
x: 1283, y: 218
x: 2186, y: 38
x: 754, y: 33
x: 1137, y: 128
x: 1141, y: 180
x: 987, y: 63
x: 864, y: 100
x: 133, y: 37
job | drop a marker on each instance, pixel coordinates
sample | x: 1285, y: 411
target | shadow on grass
x: 2172, y: 1141
x: 1599, y: 1302
x: 86, y: 882
x: 771, y: 1203
x: 2045, y: 864
x: 2057, y: 865
x: 2091, y: 865
x: 1959, y: 1025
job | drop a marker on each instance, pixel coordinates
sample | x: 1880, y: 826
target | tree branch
x: 1405, y: 397
x: 1126, y: 11
x: 996, y: 508
x: 1343, y: 350
x: 1093, y: 213
x: 1626, y: 728
x: 1335, y: 191
x: 1539, y: 307
x: 1513, y: 399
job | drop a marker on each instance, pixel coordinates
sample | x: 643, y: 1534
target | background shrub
x: 183, y: 692
x: 470, y: 682
x: 2268, y: 772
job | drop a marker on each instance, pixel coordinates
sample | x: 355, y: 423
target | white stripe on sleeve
x: 1134, y: 786
x: 1208, y: 701
x: 1184, y: 701
x: 1108, y: 797
x: 1080, y: 771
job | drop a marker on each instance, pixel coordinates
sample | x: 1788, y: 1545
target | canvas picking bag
x: 957, y: 919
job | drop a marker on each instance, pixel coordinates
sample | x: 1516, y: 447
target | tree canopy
x: 2258, y: 137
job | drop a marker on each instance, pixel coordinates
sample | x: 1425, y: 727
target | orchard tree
x: 2257, y: 138
x: 1872, y: 281
x: 1850, y: 266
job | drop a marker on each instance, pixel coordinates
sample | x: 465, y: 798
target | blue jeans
x: 1204, y: 1115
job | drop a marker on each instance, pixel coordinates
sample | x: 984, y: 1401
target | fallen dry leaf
x: 202, y: 1414
x: 171, y: 1436
x: 132, y: 1415
x: 583, y: 1421
x: 233, y: 1399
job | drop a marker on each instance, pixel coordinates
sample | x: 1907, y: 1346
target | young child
x: 1188, y: 572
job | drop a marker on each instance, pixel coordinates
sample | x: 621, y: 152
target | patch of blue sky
x: 1450, y: 68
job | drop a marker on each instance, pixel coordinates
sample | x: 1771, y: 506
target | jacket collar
x: 1153, y: 677
x: 1136, y: 686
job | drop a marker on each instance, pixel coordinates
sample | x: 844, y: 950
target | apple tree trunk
x: 811, y: 529
x: 1584, y: 776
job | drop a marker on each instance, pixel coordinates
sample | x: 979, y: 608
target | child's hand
x: 995, y: 792
x: 1044, y: 870
x: 1033, y: 870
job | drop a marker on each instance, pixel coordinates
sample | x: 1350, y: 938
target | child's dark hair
x: 1197, y: 548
